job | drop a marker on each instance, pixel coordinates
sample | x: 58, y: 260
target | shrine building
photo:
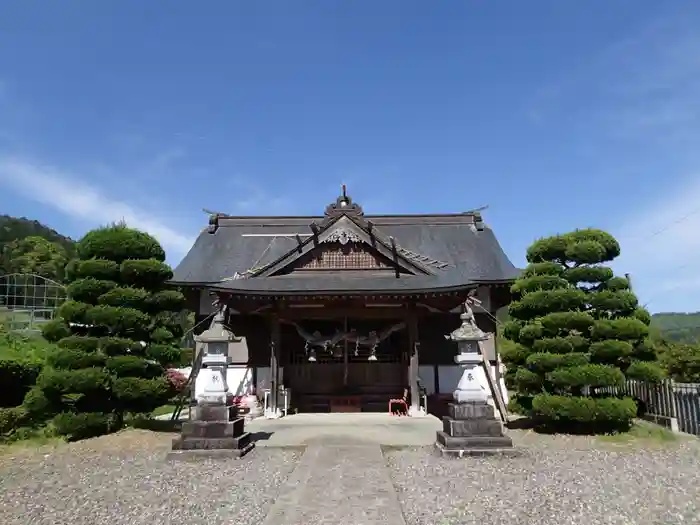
x: 346, y: 310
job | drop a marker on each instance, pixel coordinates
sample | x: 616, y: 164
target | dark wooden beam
x: 395, y: 255
x: 414, y: 344
x: 274, y: 360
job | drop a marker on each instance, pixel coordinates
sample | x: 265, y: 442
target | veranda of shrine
x: 347, y: 310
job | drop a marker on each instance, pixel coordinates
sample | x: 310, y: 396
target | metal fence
x: 28, y: 301
x: 668, y: 402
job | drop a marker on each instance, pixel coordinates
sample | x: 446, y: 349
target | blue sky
x: 557, y: 114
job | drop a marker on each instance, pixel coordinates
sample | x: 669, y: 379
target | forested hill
x: 15, y: 229
x: 679, y: 327
x: 29, y: 246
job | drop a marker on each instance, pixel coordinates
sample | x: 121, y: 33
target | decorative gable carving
x: 342, y: 236
x: 342, y: 254
x: 345, y: 242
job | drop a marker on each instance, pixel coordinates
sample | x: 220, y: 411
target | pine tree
x: 578, y: 329
x: 117, y: 333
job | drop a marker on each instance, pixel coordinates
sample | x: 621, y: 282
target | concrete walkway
x: 342, y: 484
x: 345, y: 429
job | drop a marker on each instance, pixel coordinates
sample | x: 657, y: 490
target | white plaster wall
x: 240, y: 380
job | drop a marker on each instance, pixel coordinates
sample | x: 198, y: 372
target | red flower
x: 176, y: 379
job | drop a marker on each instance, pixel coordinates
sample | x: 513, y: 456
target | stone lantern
x: 469, y: 356
x: 216, y: 425
x: 471, y: 426
x: 215, y: 344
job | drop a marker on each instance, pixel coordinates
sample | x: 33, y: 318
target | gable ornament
x: 343, y: 236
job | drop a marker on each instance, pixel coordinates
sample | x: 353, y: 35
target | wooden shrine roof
x: 248, y: 255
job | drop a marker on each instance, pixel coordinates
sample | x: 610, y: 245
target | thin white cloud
x: 638, y: 103
x: 661, y: 244
x: 69, y: 195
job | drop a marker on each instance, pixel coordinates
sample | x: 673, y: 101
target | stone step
x: 471, y: 427
x: 213, y: 429
x: 201, y: 443
x: 477, y: 410
x: 215, y: 413
x: 473, y: 442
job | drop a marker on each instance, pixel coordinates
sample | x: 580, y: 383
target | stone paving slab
x: 344, y: 484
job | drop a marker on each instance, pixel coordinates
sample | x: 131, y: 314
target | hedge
x: 607, y: 413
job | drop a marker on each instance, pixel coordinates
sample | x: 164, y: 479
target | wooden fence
x: 669, y: 403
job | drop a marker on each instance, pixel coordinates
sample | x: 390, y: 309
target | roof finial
x: 343, y: 205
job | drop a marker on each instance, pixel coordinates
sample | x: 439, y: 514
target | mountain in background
x: 16, y: 229
x: 28, y: 246
x: 677, y: 326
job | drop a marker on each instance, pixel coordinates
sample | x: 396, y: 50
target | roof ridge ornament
x: 343, y: 205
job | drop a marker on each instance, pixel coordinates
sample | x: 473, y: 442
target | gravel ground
x: 558, y: 480
x: 125, y: 479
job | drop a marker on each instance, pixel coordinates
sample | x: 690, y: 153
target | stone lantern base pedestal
x: 471, y: 428
x: 216, y: 430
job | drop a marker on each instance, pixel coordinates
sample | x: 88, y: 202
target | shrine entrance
x: 352, y: 365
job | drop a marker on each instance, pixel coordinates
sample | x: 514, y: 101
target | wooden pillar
x: 274, y: 362
x: 413, y: 359
x: 345, y: 353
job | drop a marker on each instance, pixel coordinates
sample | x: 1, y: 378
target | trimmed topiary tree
x: 578, y: 329
x: 116, y: 335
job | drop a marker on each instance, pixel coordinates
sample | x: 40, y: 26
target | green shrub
x: 117, y: 332
x: 116, y: 319
x: 123, y: 325
x: 133, y: 366
x: 77, y: 342
x: 610, y: 350
x: 520, y: 404
x: 113, y: 346
x: 74, y: 312
x: 645, y: 371
x: 591, y: 375
x: 11, y: 419
x: 166, y: 300
x: 166, y: 355
x: 545, y: 362
x: 55, y: 330
x: 161, y: 335
x: 81, y: 426
x: 587, y: 413
x: 147, y: 273
x: 682, y: 362
x: 89, y: 289
x: 515, y: 354
x: 39, y: 407
x: 577, y: 328
x: 126, y: 297
x: 17, y: 377
x: 186, y: 357
x: 73, y: 359
x: 135, y: 394
x: 527, y: 381
x: 118, y: 243
x: 81, y: 381
x: 101, y: 269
